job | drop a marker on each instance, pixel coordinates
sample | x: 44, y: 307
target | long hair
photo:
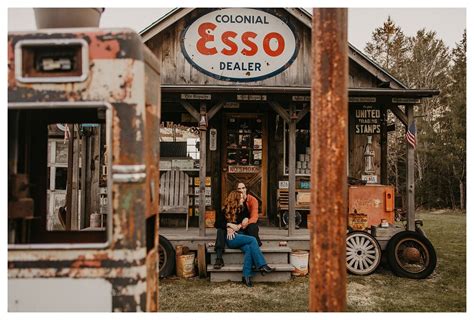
x: 231, y: 205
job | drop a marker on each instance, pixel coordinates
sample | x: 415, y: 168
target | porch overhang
x: 357, y: 92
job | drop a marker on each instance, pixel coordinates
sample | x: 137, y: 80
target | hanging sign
x: 213, y: 139
x: 367, y: 120
x: 244, y: 169
x: 239, y: 44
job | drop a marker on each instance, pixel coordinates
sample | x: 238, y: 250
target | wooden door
x: 244, y: 148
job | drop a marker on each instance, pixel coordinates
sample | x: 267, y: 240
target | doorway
x: 244, y: 152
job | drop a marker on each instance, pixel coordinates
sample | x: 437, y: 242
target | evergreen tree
x: 388, y: 47
x: 425, y: 62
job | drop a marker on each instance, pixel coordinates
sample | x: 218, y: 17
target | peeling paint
x: 116, y: 75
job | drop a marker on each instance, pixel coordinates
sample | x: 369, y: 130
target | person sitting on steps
x: 230, y: 221
x: 249, y: 225
x: 250, y: 228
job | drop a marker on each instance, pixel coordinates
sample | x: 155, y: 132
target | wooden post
x: 383, y: 147
x: 410, y: 174
x: 70, y: 165
x: 202, y: 169
x: 84, y: 177
x: 291, y: 171
x: 202, y: 266
x: 329, y: 123
x: 75, y: 179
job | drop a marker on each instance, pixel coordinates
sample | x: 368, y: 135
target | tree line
x: 423, y: 61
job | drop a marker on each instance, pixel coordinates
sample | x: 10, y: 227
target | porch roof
x: 412, y: 93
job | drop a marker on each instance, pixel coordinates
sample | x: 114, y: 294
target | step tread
x: 263, y: 249
x: 238, y: 267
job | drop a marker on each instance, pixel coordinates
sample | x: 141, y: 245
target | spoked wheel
x: 166, y: 261
x: 363, y: 253
x: 411, y: 255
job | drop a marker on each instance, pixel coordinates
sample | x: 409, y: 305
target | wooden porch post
x: 202, y: 169
x: 329, y: 122
x: 410, y: 174
x: 383, y: 147
x: 291, y: 171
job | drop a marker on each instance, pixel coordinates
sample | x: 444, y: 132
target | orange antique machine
x: 370, y: 205
x: 372, y: 230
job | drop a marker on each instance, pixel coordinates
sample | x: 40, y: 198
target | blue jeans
x: 251, y: 250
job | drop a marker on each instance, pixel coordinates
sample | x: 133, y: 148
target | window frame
x: 108, y: 123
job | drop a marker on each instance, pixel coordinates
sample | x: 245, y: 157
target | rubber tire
x: 377, y: 248
x: 399, y: 270
x: 170, y: 257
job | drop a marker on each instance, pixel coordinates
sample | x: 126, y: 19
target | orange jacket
x: 252, y: 204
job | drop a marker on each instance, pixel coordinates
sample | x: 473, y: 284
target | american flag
x: 411, y: 135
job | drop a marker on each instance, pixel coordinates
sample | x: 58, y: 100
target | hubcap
x: 362, y: 253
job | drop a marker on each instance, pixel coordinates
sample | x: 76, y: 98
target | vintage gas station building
x: 235, y: 92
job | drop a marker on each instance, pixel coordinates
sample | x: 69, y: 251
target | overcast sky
x: 448, y: 23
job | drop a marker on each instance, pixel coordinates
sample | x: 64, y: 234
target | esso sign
x: 239, y: 44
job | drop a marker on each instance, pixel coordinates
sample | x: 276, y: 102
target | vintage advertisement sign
x: 367, y: 120
x: 239, y: 44
x: 244, y: 169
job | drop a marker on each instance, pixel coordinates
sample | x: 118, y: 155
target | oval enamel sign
x: 239, y: 44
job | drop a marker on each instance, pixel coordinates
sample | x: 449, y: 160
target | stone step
x: 273, y: 255
x: 233, y: 272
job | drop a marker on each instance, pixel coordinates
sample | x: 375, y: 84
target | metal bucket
x: 67, y: 17
x: 299, y: 260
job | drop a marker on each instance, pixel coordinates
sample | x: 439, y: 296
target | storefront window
x: 179, y: 146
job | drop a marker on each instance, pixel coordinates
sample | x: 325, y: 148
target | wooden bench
x: 302, y: 202
x: 174, y: 193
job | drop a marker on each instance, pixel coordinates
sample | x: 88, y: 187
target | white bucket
x: 299, y: 260
x: 185, y: 265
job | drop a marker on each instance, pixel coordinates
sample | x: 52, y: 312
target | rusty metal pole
x: 328, y: 160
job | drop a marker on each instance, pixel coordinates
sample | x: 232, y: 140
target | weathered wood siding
x: 176, y: 69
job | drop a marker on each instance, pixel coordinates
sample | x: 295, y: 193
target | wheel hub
x: 412, y: 254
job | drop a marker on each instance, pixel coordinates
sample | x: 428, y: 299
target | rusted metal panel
x: 376, y: 201
x: 329, y: 121
x: 118, y: 67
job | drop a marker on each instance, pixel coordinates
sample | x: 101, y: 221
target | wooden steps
x: 276, y: 257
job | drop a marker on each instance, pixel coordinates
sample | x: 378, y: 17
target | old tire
x: 363, y: 253
x: 411, y: 255
x: 167, y: 259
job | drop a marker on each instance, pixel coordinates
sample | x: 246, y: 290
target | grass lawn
x: 443, y: 291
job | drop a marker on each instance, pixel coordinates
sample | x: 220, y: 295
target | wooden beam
x: 202, y: 265
x: 383, y: 147
x: 399, y: 114
x: 303, y: 112
x: 214, y: 110
x: 202, y: 169
x: 70, y: 171
x: 410, y: 176
x: 280, y: 110
x: 192, y: 111
x: 291, y: 171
